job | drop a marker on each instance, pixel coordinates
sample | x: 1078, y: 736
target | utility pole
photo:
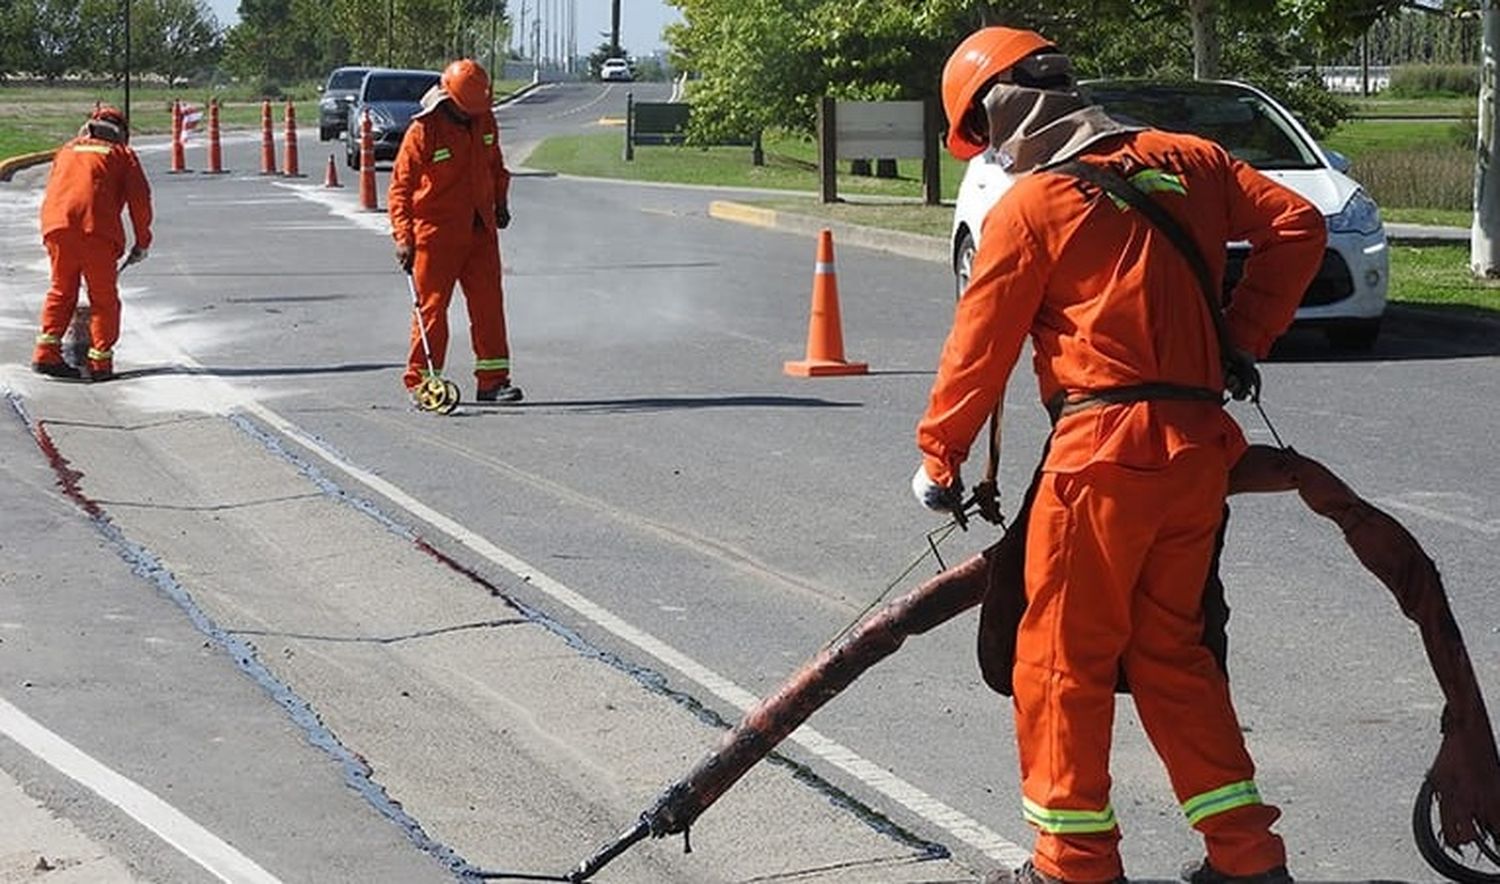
x: 614, y: 28
x: 1484, y: 240
x: 126, y: 109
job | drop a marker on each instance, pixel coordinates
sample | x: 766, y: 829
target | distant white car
x: 1348, y: 296
x: 617, y: 69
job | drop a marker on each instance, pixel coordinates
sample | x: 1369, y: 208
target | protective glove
x: 987, y: 499
x: 406, y: 255
x: 502, y: 216
x: 136, y: 256
x: 945, y: 499
x: 1241, y: 377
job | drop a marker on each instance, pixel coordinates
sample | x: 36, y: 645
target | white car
x: 1348, y: 296
x: 617, y: 69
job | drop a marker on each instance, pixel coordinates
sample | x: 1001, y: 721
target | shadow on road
x: 255, y: 371
x: 1408, y: 333
x: 670, y: 403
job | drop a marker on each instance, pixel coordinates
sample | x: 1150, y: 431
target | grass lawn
x: 1437, y: 106
x: 35, y: 118
x: 791, y: 164
x: 1354, y: 138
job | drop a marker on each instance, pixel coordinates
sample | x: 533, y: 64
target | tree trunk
x: 1205, y: 39
x: 1484, y: 241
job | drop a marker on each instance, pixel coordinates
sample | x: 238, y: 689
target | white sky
x: 641, y: 21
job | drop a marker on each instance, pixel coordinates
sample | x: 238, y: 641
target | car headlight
x: 1359, y: 215
x: 328, y: 102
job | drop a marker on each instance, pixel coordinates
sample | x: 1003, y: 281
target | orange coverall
x: 1131, y: 495
x: 91, y: 183
x: 448, y: 181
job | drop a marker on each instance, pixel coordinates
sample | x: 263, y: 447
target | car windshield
x: 398, y: 87
x: 1240, y: 120
x: 346, y: 79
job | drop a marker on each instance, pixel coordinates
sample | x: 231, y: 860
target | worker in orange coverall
x: 1132, y: 492
x: 449, y: 194
x: 94, y: 178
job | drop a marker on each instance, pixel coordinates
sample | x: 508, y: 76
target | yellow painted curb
x: 12, y: 165
x: 728, y: 211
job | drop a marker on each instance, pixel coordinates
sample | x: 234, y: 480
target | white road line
x: 167, y: 822
x: 1489, y: 528
x: 956, y: 823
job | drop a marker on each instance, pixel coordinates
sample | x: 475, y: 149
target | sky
x: 641, y: 21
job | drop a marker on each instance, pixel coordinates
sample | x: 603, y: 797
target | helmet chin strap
x: 1032, y: 128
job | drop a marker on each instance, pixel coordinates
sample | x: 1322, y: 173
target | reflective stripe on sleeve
x: 1224, y: 798
x: 492, y: 365
x: 45, y: 338
x: 1068, y: 822
x: 441, y: 154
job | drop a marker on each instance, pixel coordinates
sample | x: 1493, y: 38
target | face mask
x: 1033, y: 128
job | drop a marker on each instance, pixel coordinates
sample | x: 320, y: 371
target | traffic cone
x: 179, y: 158
x: 215, y: 146
x: 367, y: 198
x: 825, y: 336
x: 267, y: 140
x: 291, y: 169
x: 331, y: 177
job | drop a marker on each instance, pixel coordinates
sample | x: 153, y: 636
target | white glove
x: 945, y: 499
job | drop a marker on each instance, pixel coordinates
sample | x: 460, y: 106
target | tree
x: 174, y: 38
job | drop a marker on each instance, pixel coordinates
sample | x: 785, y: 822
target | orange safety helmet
x: 973, y: 65
x: 468, y: 85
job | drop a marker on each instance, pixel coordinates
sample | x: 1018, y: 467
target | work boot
x: 1203, y: 873
x: 502, y: 393
x: 1027, y: 874
x: 101, y: 371
x: 57, y: 370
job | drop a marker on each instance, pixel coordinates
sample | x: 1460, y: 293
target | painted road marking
x: 167, y: 822
x: 935, y: 812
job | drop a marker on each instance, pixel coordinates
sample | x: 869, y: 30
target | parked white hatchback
x: 1346, y: 299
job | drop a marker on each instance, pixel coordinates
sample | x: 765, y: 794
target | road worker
x: 1131, y: 493
x: 449, y: 194
x: 95, y: 177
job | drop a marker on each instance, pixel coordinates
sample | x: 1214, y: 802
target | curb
x: 933, y: 248
x: 910, y: 245
x: 11, y: 165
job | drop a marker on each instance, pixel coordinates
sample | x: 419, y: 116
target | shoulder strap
x: 1116, y: 185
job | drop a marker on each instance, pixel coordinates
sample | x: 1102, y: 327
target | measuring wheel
x: 438, y: 395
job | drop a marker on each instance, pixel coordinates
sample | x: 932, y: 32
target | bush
x: 1427, y: 80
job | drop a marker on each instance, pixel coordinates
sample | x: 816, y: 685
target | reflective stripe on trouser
x: 1116, y: 561
x: 79, y: 258
x: 472, y: 260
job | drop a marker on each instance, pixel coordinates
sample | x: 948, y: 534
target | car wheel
x: 327, y: 134
x: 963, y: 263
x: 351, y: 156
x: 1356, y: 335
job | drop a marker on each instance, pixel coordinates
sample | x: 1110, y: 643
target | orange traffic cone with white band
x: 825, y: 335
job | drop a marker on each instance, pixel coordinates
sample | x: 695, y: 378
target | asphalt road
x: 357, y: 642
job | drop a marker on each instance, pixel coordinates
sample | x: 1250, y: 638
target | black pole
x: 614, y: 28
x: 126, y: 108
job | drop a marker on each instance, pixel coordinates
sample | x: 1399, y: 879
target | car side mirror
x: 1338, y: 161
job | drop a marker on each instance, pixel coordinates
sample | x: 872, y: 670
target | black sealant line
x: 357, y: 772
x: 651, y: 679
x: 143, y: 563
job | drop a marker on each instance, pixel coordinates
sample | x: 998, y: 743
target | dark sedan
x: 391, y: 98
x: 333, y: 105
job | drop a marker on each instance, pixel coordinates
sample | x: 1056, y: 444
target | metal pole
x: 126, y: 109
